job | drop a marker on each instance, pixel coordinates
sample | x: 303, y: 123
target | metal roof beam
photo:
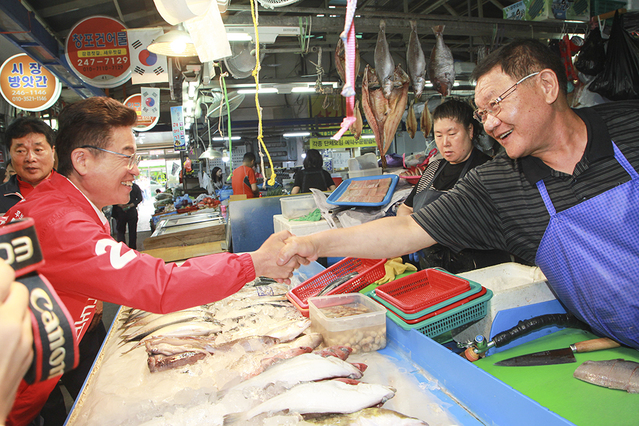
x: 23, y: 29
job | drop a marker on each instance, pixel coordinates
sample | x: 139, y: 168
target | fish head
x: 523, y: 117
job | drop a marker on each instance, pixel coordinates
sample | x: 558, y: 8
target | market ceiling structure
x: 39, y: 28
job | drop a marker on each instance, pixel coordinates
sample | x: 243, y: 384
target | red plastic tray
x: 447, y: 308
x: 368, y: 271
x: 421, y: 290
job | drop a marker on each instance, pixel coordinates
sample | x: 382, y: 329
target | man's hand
x: 265, y: 259
x: 298, y: 248
x: 16, y: 336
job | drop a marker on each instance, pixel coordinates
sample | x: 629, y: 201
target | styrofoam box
x: 513, y: 285
x: 299, y: 228
x: 365, y: 172
x: 297, y: 206
x: 335, y: 319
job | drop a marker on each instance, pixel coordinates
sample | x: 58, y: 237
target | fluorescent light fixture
x: 232, y: 36
x: 303, y: 90
x: 233, y: 138
x: 174, y: 43
x: 296, y: 134
x: 368, y: 136
x: 260, y: 91
x: 268, y: 34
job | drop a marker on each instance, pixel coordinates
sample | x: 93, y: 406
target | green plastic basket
x: 456, y: 317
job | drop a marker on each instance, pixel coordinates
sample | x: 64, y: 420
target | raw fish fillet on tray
x: 366, y: 191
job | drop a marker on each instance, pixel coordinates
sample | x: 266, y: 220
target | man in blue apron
x: 565, y: 195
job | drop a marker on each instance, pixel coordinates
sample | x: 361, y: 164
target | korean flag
x: 147, y: 67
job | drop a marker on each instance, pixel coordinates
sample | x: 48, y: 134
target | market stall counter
x: 219, y: 374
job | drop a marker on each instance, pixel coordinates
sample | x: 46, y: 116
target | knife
x: 559, y: 356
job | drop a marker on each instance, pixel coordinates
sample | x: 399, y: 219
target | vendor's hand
x: 300, y: 248
x: 16, y: 337
x: 265, y: 259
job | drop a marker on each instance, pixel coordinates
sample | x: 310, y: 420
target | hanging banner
x: 177, y: 124
x: 324, y: 141
x: 147, y: 67
x: 151, y: 102
x: 27, y: 85
x: 97, y: 51
x: 144, y: 123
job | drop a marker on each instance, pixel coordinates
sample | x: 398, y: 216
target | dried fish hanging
x: 348, y: 38
x: 256, y: 76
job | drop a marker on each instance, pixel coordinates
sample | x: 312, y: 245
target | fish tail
x: 413, y: 25
x: 234, y: 419
x: 438, y: 29
x: 382, y: 25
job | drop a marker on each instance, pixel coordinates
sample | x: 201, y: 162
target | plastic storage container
x: 297, y: 206
x: 299, y: 228
x: 368, y: 271
x: 352, y: 320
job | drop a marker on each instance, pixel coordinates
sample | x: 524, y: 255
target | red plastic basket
x: 421, y: 290
x: 447, y: 308
x: 368, y: 271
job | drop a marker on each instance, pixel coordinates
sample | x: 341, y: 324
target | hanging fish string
x: 256, y: 76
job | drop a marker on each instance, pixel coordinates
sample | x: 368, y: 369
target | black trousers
x: 128, y: 218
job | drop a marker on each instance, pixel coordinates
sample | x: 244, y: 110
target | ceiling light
x: 368, y: 136
x: 262, y: 90
x: 238, y: 37
x: 233, y: 138
x: 211, y: 153
x: 296, y: 134
x: 303, y: 90
x: 174, y: 43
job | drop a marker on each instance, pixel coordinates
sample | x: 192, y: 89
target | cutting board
x: 554, y: 387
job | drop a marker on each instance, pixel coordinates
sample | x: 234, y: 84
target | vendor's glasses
x: 494, y: 107
x: 134, y: 159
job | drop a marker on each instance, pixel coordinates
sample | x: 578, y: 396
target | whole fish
x: 426, y: 121
x: 341, y: 352
x: 416, y: 61
x: 303, y: 368
x: 158, y: 363
x: 182, y: 329
x: 288, y: 332
x: 172, y: 346
x: 384, y: 64
x: 337, y: 282
x: 441, y: 68
x: 614, y: 374
x: 411, y: 121
x: 366, y: 417
x: 168, y: 319
x: 331, y: 396
x: 384, y: 115
x: 357, y: 127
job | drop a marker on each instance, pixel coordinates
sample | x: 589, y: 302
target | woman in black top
x: 456, y: 132
x: 216, y: 178
x: 312, y: 175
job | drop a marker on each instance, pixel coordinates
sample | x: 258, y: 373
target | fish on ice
x: 366, y: 417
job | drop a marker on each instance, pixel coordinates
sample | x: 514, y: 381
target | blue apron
x: 590, y: 255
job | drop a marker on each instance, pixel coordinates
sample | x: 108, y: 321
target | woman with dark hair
x: 216, y: 178
x: 456, y: 134
x: 312, y: 175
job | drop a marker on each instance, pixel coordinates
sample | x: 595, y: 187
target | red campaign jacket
x: 84, y: 263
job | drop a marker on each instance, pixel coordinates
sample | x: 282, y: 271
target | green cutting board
x: 554, y: 387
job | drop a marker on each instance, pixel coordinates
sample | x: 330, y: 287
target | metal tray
x: 335, y: 195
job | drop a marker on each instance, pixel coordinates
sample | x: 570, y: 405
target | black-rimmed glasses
x: 494, y: 106
x: 134, y: 159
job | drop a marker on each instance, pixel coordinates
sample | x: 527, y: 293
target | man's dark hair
x: 461, y: 112
x: 523, y: 57
x: 23, y: 126
x: 248, y: 157
x: 89, y: 122
x: 313, y: 160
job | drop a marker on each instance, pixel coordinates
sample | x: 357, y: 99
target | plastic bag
x: 620, y: 78
x: 592, y: 56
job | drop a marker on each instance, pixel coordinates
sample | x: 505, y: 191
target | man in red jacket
x: 97, y: 164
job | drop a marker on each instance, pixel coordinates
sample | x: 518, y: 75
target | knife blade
x: 559, y: 356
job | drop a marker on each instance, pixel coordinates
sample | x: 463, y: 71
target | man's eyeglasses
x: 494, y: 107
x: 134, y: 159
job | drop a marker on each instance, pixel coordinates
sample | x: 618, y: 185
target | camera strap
x: 55, y: 345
